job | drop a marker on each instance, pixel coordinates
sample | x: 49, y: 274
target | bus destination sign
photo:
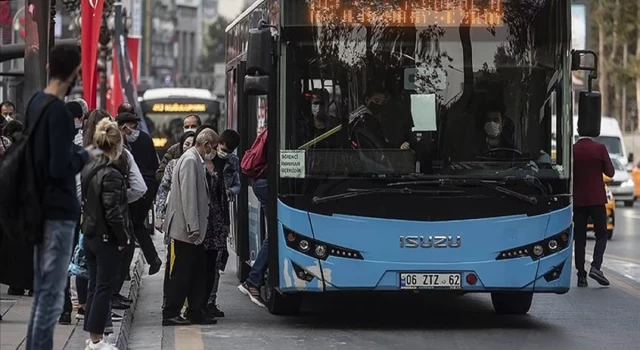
x: 408, y: 12
x: 178, y: 107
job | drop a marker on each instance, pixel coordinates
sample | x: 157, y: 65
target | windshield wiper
x: 496, y: 185
x: 355, y: 192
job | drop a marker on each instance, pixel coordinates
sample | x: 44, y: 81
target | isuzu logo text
x: 430, y: 241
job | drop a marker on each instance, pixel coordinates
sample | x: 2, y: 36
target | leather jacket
x: 106, y: 213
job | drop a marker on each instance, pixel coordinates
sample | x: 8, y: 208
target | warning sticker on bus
x: 293, y: 164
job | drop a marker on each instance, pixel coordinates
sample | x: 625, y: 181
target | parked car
x: 611, y: 213
x: 622, y: 185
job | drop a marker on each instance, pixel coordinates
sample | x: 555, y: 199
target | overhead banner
x: 126, y: 76
x: 91, y: 19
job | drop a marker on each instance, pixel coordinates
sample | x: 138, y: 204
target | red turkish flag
x: 91, y: 20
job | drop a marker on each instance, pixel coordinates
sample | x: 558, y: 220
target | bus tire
x: 511, y: 303
x: 282, y: 304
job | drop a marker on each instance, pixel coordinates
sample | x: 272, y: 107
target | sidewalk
x: 16, y: 311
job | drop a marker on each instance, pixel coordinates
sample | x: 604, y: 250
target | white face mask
x: 315, y: 109
x: 209, y: 156
x: 133, y: 136
x: 186, y: 130
x: 493, y: 129
x: 222, y: 154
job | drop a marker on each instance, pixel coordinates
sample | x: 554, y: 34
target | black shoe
x: 582, y: 281
x: 15, y: 291
x: 204, y: 320
x: 155, y: 266
x: 597, y: 275
x: 213, y: 310
x: 118, y: 305
x: 65, y: 318
x: 121, y: 298
x: 175, y: 321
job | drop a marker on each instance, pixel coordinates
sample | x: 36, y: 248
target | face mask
x: 315, y: 109
x: 222, y: 154
x: 79, y: 126
x: 375, y: 108
x: 209, y: 155
x: 186, y: 130
x: 493, y: 129
x: 133, y: 136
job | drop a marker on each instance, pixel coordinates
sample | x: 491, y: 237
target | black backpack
x: 22, y: 214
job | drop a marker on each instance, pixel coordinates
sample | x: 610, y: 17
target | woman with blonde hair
x: 106, y: 228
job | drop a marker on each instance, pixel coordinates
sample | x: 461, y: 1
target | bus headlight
x: 538, y: 250
x: 317, y: 249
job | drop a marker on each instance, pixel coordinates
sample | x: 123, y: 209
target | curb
x: 137, y: 272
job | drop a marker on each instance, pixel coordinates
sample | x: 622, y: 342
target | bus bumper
x: 364, y: 253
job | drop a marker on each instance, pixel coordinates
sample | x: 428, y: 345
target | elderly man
x: 190, y: 123
x: 186, y: 223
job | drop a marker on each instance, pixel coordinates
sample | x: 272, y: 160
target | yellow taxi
x: 635, y: 175
x: 611, y: 211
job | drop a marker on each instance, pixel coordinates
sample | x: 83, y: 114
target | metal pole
x: 52, y: 26
x: 36, y: 54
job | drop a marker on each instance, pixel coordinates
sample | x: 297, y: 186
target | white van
x: 610, y: 137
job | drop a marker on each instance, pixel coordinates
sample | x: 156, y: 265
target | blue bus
x: 409, y: 146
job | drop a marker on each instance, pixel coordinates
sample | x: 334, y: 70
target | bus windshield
x: 390, y: 88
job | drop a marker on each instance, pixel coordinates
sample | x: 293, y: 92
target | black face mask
x: 375, y: 108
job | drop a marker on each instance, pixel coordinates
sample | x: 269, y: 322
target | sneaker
x: 102, y: 345
x: 598, y: 275
x: 252, y: 292
x: 155, y: 266
x: 65, y: 318
x: 80, y: 314
x: 115, y: 317
x: 582, y: 281
x: 108, y: 330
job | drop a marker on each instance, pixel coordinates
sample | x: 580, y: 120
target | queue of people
x: 100, y: 176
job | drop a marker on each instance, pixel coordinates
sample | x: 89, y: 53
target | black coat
x: 106, y: 213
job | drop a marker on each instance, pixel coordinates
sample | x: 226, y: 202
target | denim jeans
x: 256, y: 275
x: 50, y: 263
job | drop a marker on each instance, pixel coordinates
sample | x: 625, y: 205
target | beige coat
x: 188, y: 204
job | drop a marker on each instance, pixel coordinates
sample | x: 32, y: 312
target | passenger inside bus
x: 499, y: 129
x: 322, y: 121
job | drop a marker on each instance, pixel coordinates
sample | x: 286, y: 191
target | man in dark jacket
x: 590, y: 161
x: 190, y: 123
x: 57, y: 161
x: 144, y: 154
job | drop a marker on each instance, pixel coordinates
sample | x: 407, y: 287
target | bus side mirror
x: 259, y: 63
x: 589, y: 102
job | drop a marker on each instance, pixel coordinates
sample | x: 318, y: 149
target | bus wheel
x: 282, y: 304
x: 511, y: 303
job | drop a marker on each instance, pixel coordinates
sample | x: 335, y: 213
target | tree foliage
x: 213, y: 50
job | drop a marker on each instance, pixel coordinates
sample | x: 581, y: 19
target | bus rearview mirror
x: 589, y: 115
x: 256, y: 85
x: 259, y: 49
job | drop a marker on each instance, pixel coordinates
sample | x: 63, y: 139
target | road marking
x: 615, y: 257
x: 631, y: 215
x: 189, y: 337
x: 627, y: 267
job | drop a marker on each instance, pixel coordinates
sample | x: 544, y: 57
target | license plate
x: 430, y: 280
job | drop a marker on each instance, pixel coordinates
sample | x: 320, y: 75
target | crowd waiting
x: 99, y: 176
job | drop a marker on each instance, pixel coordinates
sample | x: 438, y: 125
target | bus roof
x: 243, y: 15
x: 166, y: 93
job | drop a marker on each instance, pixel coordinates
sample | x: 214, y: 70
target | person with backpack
x: 45, y: 186
x: 106, y: 227
x: 254, y: 165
